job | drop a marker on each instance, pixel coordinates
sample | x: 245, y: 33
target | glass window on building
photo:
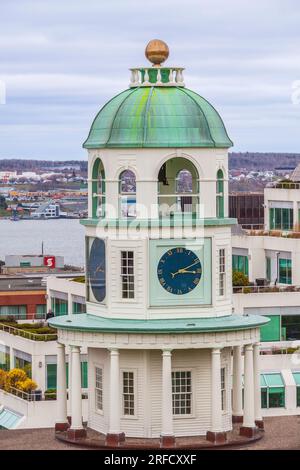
x: 79, y: 307
x: 272, y: 390
x: 296, y: 376
x: 4, y: 358
x: 290, y: 325
x: 23, y: 361
x: 182, y: 392
x: 41, y: 311
x: 223, y: 388
x: 51, y: 375
x: 18, y: 311
x: 127, y: 274
x: 268, y: 268
x: 285, y: 271
x: 220, y: 194
x: 240, y: 264
x: 222, y: 271
x: 59, y: 306
x: 271, y: 331
x: 99, y: 388
x: 127, y: 191
x: 281, y: 218
x: 128, y: 393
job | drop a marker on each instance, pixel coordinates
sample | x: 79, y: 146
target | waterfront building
x: 47, y: 210
x: 164, y: 350
x: 30, y: 264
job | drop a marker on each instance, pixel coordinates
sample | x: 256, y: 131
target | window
x: 25, y: 264
x: 220, y: 194
x: 59, y: 306
x: 127, y: 191
x: 290, y: 327
x: 79, y: 307
x: 51, y: 375
x: 128, y: 394
x: 223, y: 388
x: 99, y: 388
x: 98, y: 189
x: 127, y: 274
x: 240, y: 264
x: 272, y: 391
x: 271, y: 330
x: 41, y: 311
x: 268, y: 268
x: 281, y: 218
x: 222, y: 274
x: 23, y: 361
x: 182, y: 392
x: 285, y: 271
x: 18, y: 311
x: 296, y: 376
x: 4, y: 358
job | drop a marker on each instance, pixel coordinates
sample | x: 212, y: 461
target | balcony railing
x: 27, y: 334
x: 37, y: 395
x: 264, y: 289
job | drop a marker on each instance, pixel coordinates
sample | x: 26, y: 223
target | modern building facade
x: 248, y: 209
x: 164, y: 350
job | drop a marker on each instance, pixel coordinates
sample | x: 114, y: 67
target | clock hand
x: 187, y: 267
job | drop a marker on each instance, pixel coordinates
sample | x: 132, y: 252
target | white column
x: 216, y: 400
x: 76, y: 390
x: 70, y: 381
x: 70, y: 303
x: 248, y: 421
x: 167, y: 410
x: 257, y: 393
x: 114, y: 406
x: 237, y: 385
x: 61, y: 389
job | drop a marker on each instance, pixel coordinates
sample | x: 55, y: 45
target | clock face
x: 179, y: 271
x: 96, y: 269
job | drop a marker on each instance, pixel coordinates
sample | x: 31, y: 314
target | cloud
x: 62, y: 60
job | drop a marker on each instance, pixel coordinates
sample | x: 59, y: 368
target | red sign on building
x: 49, y: 261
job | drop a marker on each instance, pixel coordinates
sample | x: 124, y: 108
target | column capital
x: 249, y: 347
x: 114, y: 351
x: 167, y: 352
x: 216, y: 350
x: 60, y: 345
x: 75, y: 349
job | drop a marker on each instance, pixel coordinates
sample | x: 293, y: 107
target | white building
x: 159, y: 328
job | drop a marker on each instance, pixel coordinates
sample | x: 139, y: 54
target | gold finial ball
x: 157, y: 51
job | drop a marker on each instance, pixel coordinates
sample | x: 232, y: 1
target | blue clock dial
x: 96, y: 269
x: 179, y: 271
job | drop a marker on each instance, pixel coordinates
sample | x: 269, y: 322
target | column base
x: 61, y: 427
x: 248, y: 431
x: 167, y: 441
x: 114, y: 440
x: 74, y: 434
x: 237, y: 419
x: 260, y: 424
x: 216, y: 437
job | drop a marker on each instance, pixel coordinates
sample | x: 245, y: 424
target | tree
x: 239, y: 279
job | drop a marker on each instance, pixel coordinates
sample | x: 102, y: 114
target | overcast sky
x: 61, y: 60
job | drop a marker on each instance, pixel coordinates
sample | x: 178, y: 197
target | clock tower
x: 164, y: 348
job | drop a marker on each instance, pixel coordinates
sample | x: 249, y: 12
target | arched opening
x: 127, y: 194
x: 98, y: 189
x: 220, y: 194
x: 178, y: 187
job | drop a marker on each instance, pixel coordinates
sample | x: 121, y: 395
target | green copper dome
x: 154, y: 116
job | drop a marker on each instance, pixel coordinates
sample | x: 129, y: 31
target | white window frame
x: 99, y: 366
x: 135, y: 397
x: 222, y: 271
x: 192, y: 414
x: 223, y: 389
x: 127, y: 299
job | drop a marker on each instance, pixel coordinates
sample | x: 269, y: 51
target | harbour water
x: 60, y: 237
